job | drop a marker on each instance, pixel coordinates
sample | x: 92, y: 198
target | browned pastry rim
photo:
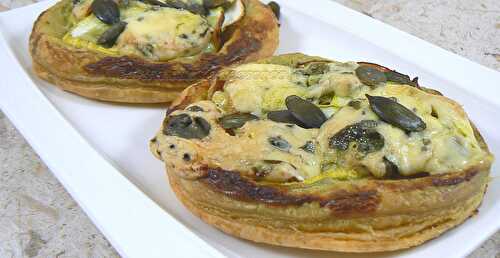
x: 414, y: 233
x: 133, y: 80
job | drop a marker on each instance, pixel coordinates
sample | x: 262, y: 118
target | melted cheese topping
x: 164, y: 34
x: 250, y: 149
x: 254, y: 88
x: 446, y: 145
x: 153, y: 32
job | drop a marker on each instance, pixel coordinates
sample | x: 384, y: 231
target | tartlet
x: 306, y: 152
x: 147, y: 51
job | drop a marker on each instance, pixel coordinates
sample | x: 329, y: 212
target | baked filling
x: 345, y: 121
x: 157, y: 30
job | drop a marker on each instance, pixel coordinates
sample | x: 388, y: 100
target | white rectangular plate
x: 99, y: 150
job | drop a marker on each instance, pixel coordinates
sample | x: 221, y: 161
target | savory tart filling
x: 151, y: 29
x: 320, y: 119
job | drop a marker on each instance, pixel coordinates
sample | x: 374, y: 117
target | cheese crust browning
x: 145, y: 73
x: 390, y: 166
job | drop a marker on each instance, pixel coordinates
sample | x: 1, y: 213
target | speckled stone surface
x: 39, y: 219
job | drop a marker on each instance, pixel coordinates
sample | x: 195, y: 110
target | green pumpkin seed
x: 394, y: 76
x: 236, y: 121
x: 209, y: 4
x: 370, y: 76
x: 371, y: 141
x: 195, y: 109
x: 363, y: 133
x: 279, y: 143
x: 283, y: 116
x: 155, y: 2
x: 309, y: 147
x: 414, y: 82
x: 305, y: 112
x: 195, y: 8
x: 106, y: 11
x: 351, y: 133
x: 396, y: 114
x: 315, y: 68
x: 356, y: 104
x: 185, y: 127
x: 109, y: 37
x: 391, y: 169
x: 275, y: 7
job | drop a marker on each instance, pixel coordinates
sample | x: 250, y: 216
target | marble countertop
x: 38, y: 218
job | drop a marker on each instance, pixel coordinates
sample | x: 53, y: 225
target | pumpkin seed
x: 185, y: 127
x: 106, y: 11
x: 109, y: 37
x: 159, y: 3
x: 315, y: 68
x: 275, y: 7
x: 394, y: 76
x: 279, y: 143
x: 396, y: 114
x: 209, y: 4
x: 391, y: 169
x: 370, y: 76
x: 283, y: 116
x: 196, y: 9
x: 309, y: 147
x: 193, y: 7
x: 342, y: 139
x: 414, y: 82
x: 155, y: 2
x: 305, y: 112
x: 371, y: 141
x: 236, y: 121
x: 363, y: 132
x: 195, y: 109
x: 356, y: 104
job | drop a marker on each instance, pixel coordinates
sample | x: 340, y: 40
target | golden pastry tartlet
x: 147, y: 51
x: 307, y: 152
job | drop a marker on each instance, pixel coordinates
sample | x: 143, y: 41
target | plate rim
x: 322, y: 10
